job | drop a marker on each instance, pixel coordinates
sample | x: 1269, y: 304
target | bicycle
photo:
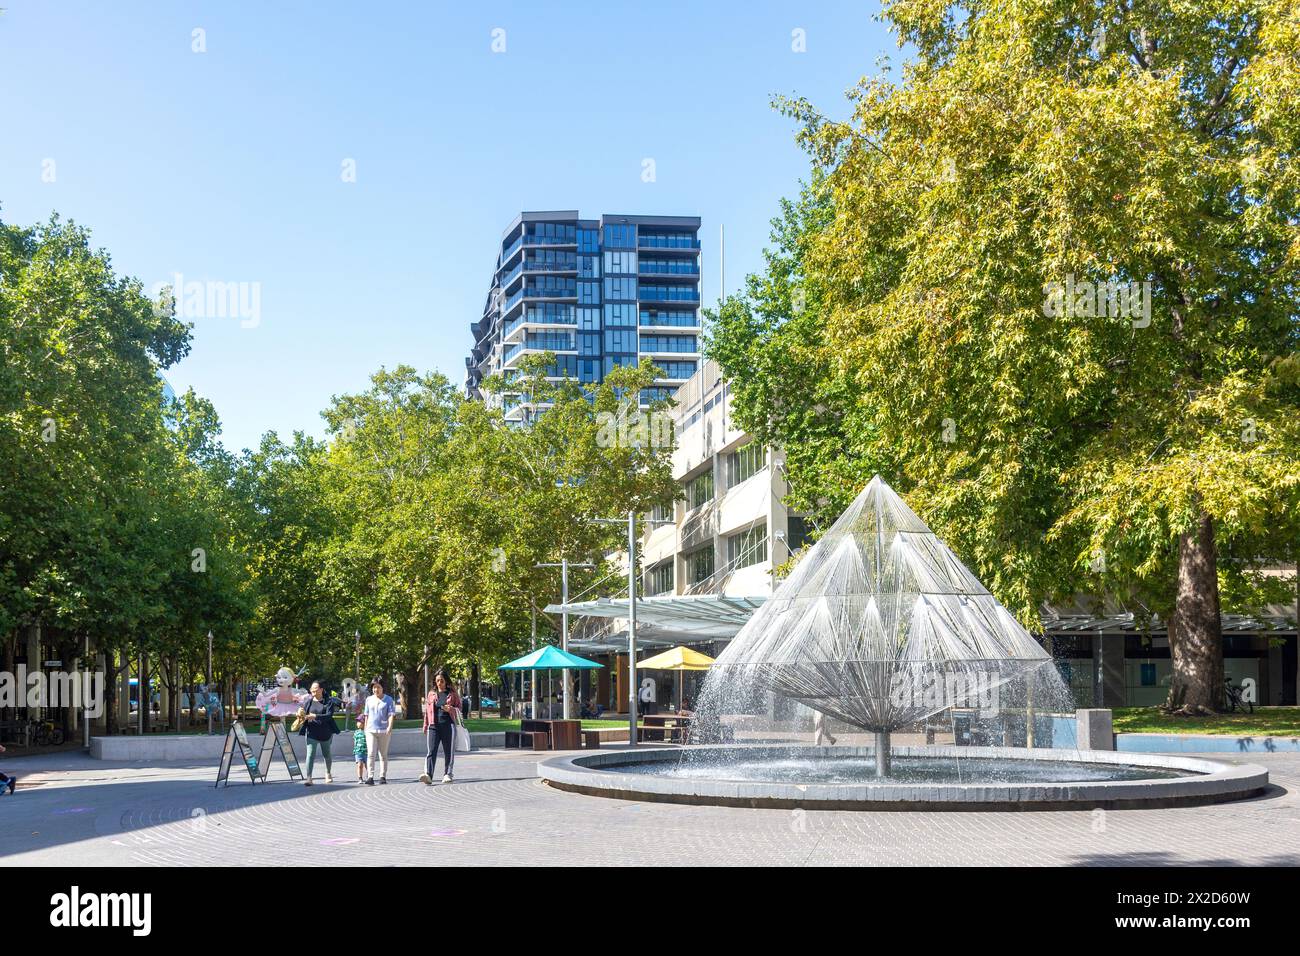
x: 1236, y: 700
x: 45, y: 733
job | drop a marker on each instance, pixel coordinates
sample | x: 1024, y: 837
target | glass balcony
x: 669, y: 241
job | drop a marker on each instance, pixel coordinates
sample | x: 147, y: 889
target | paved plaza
x: 71, y: 810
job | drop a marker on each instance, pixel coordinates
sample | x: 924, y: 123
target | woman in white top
x: 381, y: 714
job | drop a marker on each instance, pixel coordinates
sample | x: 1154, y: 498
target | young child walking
x: 359, y: 748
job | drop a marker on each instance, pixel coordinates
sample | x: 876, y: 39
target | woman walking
x: 319, y: 728
x: 441, y: 715
x: 381, y: 714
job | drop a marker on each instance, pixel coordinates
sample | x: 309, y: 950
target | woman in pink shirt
x: 441, y: 714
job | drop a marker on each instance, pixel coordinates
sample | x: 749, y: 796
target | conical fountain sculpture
x: 880, y: 625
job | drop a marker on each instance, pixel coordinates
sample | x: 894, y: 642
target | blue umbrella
x: 549, y: 658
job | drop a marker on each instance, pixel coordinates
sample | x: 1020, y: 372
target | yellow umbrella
x: 677, y: 659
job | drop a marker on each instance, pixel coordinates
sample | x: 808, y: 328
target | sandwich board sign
x: 277, y: 738
x: 237, y: 741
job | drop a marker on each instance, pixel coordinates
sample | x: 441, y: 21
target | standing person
x: 381, y: 715
x: 820, y: 733
x: 319, y: 728
x: 359, y: 748
x: 441, y: 714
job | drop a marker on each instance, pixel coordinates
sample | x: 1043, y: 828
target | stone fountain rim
x: 1215, y: 782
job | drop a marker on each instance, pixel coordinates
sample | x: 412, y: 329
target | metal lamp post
x: 208, y: 702
x: 631, y: 617
x: 564, y: 566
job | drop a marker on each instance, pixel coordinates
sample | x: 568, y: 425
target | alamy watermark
x: 634, y: 429
x: 1112, y: 299
x: 211, y: 299
x: 933, y: 691
x: 79, y: 690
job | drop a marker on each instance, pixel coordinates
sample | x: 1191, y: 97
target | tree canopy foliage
x: 947, y: 301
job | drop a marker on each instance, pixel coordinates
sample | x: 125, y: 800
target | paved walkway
x: 73, y: 810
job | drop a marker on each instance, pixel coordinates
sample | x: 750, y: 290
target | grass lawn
x: 1264, y: 722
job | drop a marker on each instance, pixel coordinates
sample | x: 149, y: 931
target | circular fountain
x: 883, y: 631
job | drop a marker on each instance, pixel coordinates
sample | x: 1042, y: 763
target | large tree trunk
x: 408, y: 689
x: 11, y: 650
x: 146, y: 698
x: 1195, y: 635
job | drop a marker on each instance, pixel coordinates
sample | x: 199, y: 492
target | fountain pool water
x: 881, y: 629
x: 921, y: 778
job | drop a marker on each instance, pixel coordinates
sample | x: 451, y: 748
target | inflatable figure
x: 284, y: 700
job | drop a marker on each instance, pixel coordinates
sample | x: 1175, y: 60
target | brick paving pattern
x: 72, y: 810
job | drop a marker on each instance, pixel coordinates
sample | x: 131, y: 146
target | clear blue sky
x: 226, y: 165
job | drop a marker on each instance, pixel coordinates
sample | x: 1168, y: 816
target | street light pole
x: 564, y: 566
x: 631, y: 628
x: 631, y: 615
x: 532, y: 675
x: 208, y: 702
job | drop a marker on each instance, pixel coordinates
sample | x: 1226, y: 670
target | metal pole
x: 207, y: 704
x: 722, y: 263
x: 357, y: 636
x: 882, y: 753
x: 85, y: 686
x: 532, y: 675
x: 564, y: 633
x: 631, y: 628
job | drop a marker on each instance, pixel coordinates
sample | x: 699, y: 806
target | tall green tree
x: 985, y: 209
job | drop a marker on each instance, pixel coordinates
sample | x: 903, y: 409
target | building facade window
x: 551, y: 287
x: 747, y: 548
x: 668, y: 240
x: 673, y: 317
x: 588, y: 267
x: 550, y: 260
x: 551, y: 341
x: 589, y: 293
x: 668, y: 343
x: 549, y: 233
x: 618, y: 361
x: 620, y: 287
x: 669, y: 293
x: 699, y: 490
x: 620, y: 263
x: 552, y: 313
x: 620, y: 340
x: 682, y: 370
x: 620, y: 237
x: 744, y: 463
x: 669, y: 267
x: 588, y: 240
x: 660, y: 579
x: 566, y: 366
x: 620, y: 315
x: 799, y: 533
x: 699, y: 565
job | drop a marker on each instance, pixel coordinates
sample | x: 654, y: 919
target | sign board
x: 54, y: 663
x: 277, y: 738
x: 237, y: 740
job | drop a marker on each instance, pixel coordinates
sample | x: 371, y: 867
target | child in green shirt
x: 359, y: 748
